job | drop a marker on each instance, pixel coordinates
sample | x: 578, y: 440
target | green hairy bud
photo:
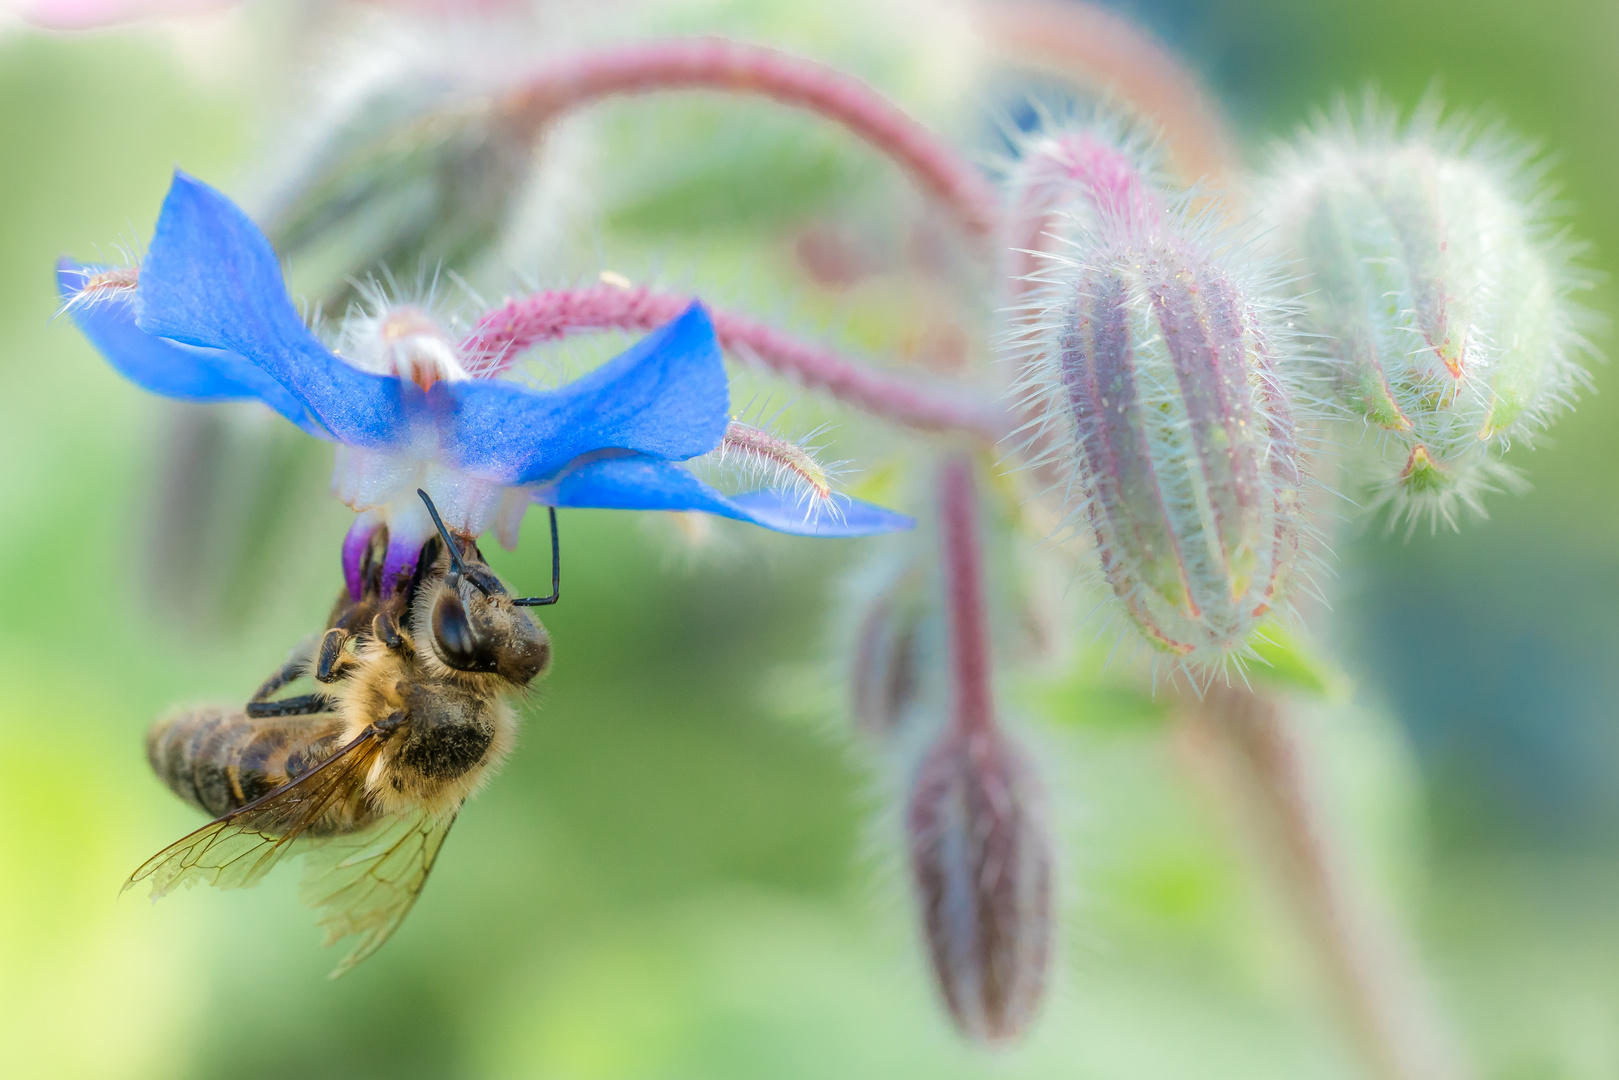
x: 1439, y: 295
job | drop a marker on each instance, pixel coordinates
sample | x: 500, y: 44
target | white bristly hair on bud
x: 1440, y: 288
x: 780, y: 460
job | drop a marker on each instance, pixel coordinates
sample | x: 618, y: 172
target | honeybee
x: 366, y: 775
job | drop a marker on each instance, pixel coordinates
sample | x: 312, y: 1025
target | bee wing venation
x: 366, y: 883
x: 238, y: 849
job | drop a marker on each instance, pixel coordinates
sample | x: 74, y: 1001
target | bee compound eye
x: 453, y: 637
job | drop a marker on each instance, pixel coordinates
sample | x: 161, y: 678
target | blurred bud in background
x: 975, y: 818
x: 236, y: 493
x: 1439, y: 294
x: 896, y: 666
x: 981, y: 863
x: 405, y: 163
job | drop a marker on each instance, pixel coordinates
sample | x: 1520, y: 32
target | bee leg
x: 331, y: 662
x: 260, y: 705
x: 302, y: 705
x: 386, y: 629
x: 287, y: 673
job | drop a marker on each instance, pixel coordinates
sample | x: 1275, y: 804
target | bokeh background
x: 685, y: 871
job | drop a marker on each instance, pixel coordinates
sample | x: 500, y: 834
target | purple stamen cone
x: 354, y: 547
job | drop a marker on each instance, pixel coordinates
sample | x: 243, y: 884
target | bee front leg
x: 386, y: 629
x: 332, y: 662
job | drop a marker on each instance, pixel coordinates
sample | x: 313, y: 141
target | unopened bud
x: 1150, y: 361
x: 1440, y: 298
x: 410, y: 163
x: 896, y: 672
x: 981, y: 865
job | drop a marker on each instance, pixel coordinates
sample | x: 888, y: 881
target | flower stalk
x: 736, y: 68
x: 522, y: 323
x: 972, y: 709
x: 1374, y: 976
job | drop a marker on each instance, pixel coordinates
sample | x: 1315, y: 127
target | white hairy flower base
x: 382, y: 485
x: 407, y: 341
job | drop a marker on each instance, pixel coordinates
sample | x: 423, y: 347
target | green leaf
x: 1284, y: 660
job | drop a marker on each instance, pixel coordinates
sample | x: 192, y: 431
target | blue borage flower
x: 207, y: 318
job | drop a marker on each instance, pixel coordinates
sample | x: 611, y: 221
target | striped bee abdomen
x: 219, y: 760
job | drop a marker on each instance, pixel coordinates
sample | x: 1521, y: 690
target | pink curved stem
x: 522, y: 323
x: 718, y: 64
x: 1069, y: 169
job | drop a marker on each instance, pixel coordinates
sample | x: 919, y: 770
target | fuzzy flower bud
x: 1440, y: 297
x: 980, y: 849
x: 407, y: 162
x: 896, y: 656
x: 981, y: 865
x: 1149, y: 361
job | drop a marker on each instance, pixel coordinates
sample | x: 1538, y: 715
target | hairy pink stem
x: 1375, y: 977
x: 1069, y: 168
x: 1084, y: 41
x: 718, y: 64
x: 520, y: 324
x: 972, y: 709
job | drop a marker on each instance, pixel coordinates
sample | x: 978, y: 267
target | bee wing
x: 366, y: 883
x: 238, y: 849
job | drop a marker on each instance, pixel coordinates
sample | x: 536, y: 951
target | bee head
x: 475, y: 627
x: 473, y: 623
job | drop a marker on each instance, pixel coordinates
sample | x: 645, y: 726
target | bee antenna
x: 556, y: 570
x: 455, y: 553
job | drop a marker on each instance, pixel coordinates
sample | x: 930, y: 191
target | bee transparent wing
x: 238, y: 849
x: 366, y: 883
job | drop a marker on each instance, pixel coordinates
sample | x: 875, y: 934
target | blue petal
x: 211, y: 279
x: 665, y: 397
x: 639, y: 483
x: 184, y: 372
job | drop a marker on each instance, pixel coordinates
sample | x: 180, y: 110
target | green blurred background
x: 684, y: 871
